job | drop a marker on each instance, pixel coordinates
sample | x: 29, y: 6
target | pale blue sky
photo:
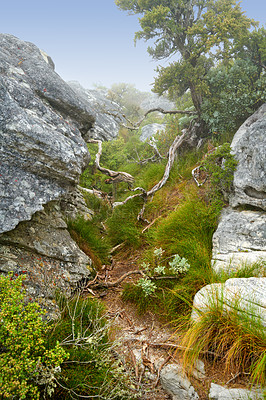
x: 90, y: 40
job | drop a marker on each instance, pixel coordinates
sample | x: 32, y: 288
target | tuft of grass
x: 90, y: 370
x: 101, y: 208
x: 135, y: 294
x: 230, y: 335
x: 246, y: 270
x: 123, y: 225
x: 186, y: 231
x: 90, y: 239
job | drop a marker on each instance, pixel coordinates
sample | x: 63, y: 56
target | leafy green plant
x: 148, y: 287
x: 172, y: 268
x: 220, y: 165
x: 27, y: 366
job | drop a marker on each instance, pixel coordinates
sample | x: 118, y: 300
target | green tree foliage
x: 237, y: 89
x: 235, y: 92
x: 129, y: 98
x: 198, y: 31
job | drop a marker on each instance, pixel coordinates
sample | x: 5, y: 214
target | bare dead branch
x: 119, y: 176
x: 148, y: 226
x: 178, y: 141
x: 116, y: 176
x: 171, y: 158
x: 97, y: 193
x: 169, y: 345
x: 117, y: 247
x: 96, y: 283
x: 135, y: 126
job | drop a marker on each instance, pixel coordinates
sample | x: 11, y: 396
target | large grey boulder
x: 108, y: 116
x: 240, y: 239
x: 249, y: 148
x: 218, y: 392
x: 241, y: 234
x: 247, y: 293
x: 42, y: 125
x: 150, y: 130
x: 43, y: 251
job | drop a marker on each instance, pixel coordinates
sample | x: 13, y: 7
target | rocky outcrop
x: 175, y: 382
x: 249, y: 148
x: 150, y: 130
x: 240, y: 239
x: 241, y: 234
x: 42, y: 250
x: 218, y: 392
x: 42, y: 125
x: 244, y: 293
x: 108, y: 116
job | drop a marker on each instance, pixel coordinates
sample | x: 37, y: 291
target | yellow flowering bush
x: 26, y: 366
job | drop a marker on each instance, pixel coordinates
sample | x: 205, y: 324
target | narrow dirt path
x: 146, y: 344
x: 137, y: 334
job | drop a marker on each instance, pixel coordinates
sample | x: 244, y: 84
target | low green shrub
x: 27, y: 367
x: 220, y: 166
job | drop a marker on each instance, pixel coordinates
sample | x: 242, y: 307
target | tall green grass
x: 123, y: 226
x: 90, y: 239
x: 186, y: 231
x: 90, y: 370
x: 230, y: 335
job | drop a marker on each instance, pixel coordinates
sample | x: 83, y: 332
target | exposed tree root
x: 97, y: 283
x: 119, y: 176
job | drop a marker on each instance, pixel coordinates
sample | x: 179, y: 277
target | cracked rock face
x: 42, y: 125
x: 150, y: 130
x: 42, y: 250
x: 241, y: 234
x: 239, y: 239
x: 249, y: 148
x: 107, y: 114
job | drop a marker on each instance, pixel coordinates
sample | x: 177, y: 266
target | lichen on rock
x: 43, y: 153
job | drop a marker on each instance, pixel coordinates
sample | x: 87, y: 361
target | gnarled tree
x: 199, y: 32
